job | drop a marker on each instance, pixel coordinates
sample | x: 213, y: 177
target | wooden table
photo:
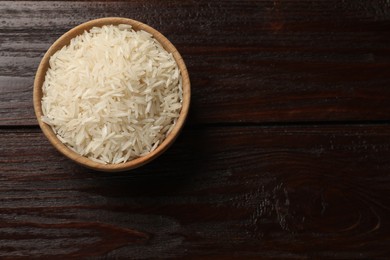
x: 286, y: 152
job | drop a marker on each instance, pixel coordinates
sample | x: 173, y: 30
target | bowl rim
x: 64, y: 40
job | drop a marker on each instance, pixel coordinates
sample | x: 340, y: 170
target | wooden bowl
x: 65, y: 40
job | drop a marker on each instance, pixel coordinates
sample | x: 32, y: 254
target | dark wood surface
x: 286, y: 153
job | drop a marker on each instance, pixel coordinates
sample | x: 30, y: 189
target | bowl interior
x: 65, y: 40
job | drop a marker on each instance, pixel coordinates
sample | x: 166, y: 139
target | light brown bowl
x: 65, y: 40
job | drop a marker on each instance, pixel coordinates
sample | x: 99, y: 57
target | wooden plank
x: 249, y: 61
x: 271, y: 192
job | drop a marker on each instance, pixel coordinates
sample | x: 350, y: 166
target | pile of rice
x: 113, y: 94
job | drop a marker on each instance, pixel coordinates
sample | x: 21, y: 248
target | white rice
x: 113, y: 94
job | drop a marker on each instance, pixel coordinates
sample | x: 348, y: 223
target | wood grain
x: 285, y: 154
x: 249, y: 61
x: 272, y: 192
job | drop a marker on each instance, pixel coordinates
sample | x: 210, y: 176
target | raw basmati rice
x: 113, y: 94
